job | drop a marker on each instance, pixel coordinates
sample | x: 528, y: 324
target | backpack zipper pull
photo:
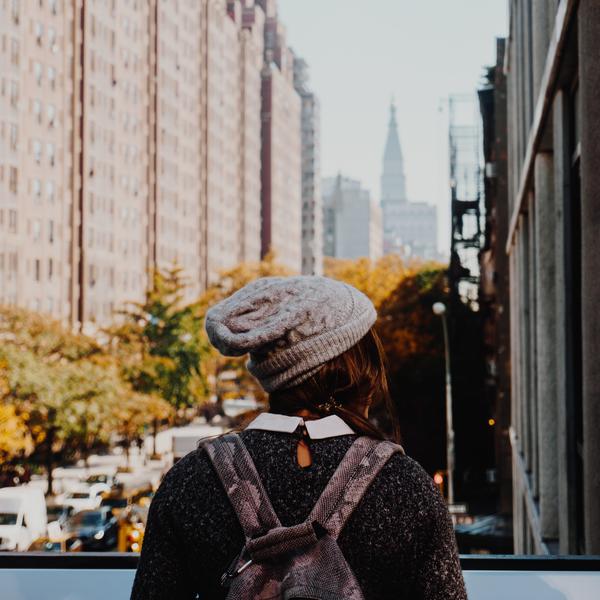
x: 232, y: 571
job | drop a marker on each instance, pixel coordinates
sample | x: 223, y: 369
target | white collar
x: 317, y: 429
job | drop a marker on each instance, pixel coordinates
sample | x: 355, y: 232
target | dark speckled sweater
x: 399, y: 541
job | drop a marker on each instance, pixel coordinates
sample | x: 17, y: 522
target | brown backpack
x: 301, y: 561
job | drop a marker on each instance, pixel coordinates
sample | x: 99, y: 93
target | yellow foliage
x: 377, y: 279
x: 14, y: 436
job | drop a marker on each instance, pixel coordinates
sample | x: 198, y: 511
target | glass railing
x: 89, y: 576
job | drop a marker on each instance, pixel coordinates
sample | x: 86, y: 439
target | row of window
x: 11, y: 45
x: 126, y: 281
x: 37, y: 149
x: 10, y: 88
x: 12, y: 175
x: 38, y: 31
x: 34, y: 227
x: 8, y: 220
x: 38, y: 70
x: 37, y: 108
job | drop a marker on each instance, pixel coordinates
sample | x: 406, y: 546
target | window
x: 50, y: 191
x: 52, y: 77
x: 36, y: 229
x: 14, y: 11
x: 38, y: 269
x: 38, y: 29
x: 38, y: 72
x: 14, y: 137
x: 37, y: 110
x: 50, y: 269
x: 50, y: 152
x: 37, y: 151
x: 52, y: 40
x: 13, y: 180
x: 14, y: 94
x: 52, y: 4
x: 51, y: 114
x: 12, y: 221
x: 51, y: 231
x: 14, y: 52
x: 36, y: 188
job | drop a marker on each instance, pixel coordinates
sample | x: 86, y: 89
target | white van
x: 23, y: 517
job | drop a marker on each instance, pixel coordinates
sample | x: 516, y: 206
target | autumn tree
x: 377, y: 279
x: 160, y: 344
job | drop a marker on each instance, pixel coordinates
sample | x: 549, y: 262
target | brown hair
x: 347, y: 386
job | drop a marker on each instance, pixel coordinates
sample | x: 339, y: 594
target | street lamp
x: 439, y: 309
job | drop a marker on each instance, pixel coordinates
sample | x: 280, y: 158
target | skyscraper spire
x: 393, y: 184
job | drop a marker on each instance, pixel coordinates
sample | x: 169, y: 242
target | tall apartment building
x: 175, y: 139
x: 351, y: 220
x: 312, y: 205
x: 110, y: 133
x: 232, y: 57
x: 281, y: 147
x: 131, y: 138
x: 35, y: 156
x: 554, y: 219
x: 252, y: 57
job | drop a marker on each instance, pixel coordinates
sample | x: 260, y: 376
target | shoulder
x: 188, y: 476
x: 404, y: 482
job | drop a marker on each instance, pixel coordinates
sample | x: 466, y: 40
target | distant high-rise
x: 393, y: 181
x: 281, y: 147
x: 409, y: 228
x: 312, y: 206
x: 351, y: 220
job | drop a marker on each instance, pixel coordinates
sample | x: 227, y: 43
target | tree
x: 160, y: 343
x: 64, y: 406
x: 376, y: 279
x: 134, y: 412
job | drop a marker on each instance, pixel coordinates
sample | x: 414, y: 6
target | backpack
x: 302, y: 561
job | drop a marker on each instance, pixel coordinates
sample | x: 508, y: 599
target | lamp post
x: 439, y: 309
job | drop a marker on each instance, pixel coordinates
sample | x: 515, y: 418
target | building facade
x: 131, y: 137
x: 494, y: 283
x: 232, y: 52
x: 409, y: 228
x: 281, y: 147
x: 312, y: 205
x: 554, y: 218
x: 36, y: 157
x: 351, y: 220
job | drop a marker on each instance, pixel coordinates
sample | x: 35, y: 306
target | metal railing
x: 89, y: 576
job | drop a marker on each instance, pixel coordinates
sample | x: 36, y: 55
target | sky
x: 362, y: 53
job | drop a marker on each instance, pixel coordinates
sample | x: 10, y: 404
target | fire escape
x: 467, y: 235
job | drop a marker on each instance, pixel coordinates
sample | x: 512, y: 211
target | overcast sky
x: 363, y: 52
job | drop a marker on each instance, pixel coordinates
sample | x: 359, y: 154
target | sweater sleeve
x: 161, y: 572
x: 439, y: 575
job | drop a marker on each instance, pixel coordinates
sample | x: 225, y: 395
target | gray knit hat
x: 290, y: 326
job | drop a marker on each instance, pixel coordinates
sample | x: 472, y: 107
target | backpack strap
x: 243, y: 486
x: 353, y: 476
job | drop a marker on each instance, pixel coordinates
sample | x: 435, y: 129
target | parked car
x: 84, y: 497
x: 63, y: 543
x: 97, y: 529
x: 132, y: 525
x: 109, y: 479
x: 22, y: 517
x: 59, y: 513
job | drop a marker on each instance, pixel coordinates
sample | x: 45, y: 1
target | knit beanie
x: 290, y: 326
